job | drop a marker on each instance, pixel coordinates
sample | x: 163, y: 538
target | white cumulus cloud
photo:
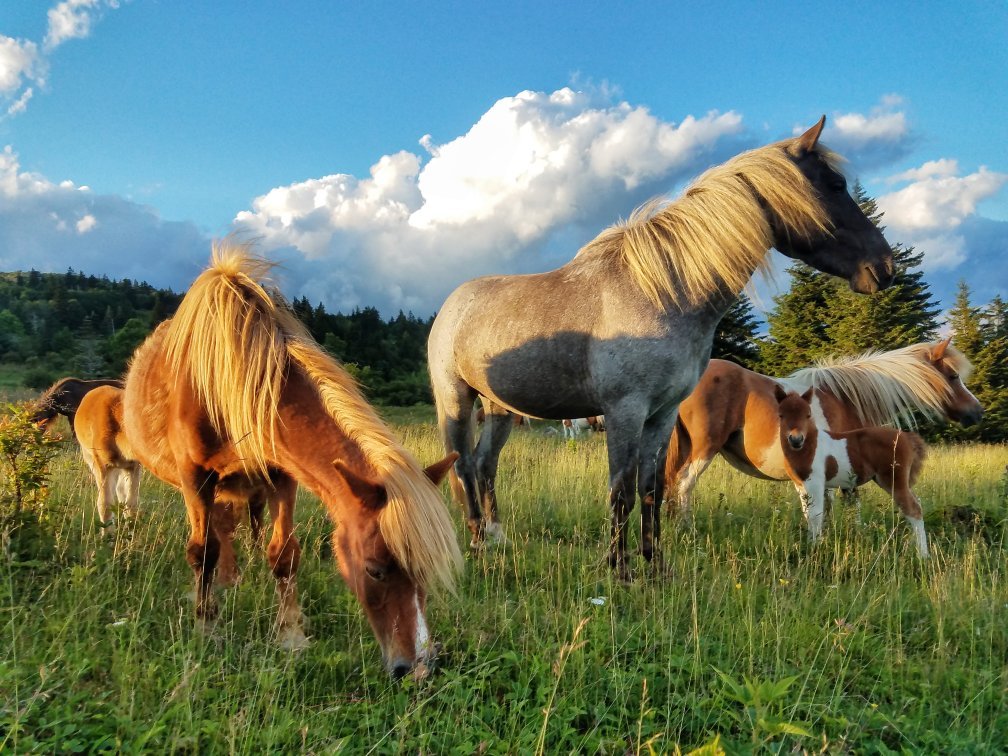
x: 931, y: 210
x: 23, y: 66
x: 537, y: 169
x: 51, y: 226
x: 869, y: 141
x: 72, y: 19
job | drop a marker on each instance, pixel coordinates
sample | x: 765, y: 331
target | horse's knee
x: 284, y: 557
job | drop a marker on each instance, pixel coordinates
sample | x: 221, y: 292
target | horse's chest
x: 837, y: 468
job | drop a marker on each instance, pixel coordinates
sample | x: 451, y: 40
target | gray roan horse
x: 527, y: 344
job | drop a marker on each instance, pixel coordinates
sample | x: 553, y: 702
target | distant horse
x: 109, y: 456
x: 529, y: 344
x: 733, y: 412
x: 572, y: 428
x: 891, y: 457
x: 64, y: 397
x: 232, y: 397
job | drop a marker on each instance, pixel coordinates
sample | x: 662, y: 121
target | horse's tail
x: 679, y: 449
x: 229, y: 338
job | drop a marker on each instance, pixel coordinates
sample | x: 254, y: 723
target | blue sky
x: 385, y: 152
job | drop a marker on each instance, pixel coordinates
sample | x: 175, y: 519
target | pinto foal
x: 892, y: 458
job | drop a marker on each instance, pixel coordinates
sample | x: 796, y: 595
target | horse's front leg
x: 623, y: 447
x: 651, y: 481
x: 203, y: 548
x: 812, y: 493
x: 284, y: 555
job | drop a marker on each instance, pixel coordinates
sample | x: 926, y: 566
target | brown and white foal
x: 892, y: 458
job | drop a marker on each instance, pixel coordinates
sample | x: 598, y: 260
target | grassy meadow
x: 751, y: 641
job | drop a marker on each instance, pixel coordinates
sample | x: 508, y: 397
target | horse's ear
x: 779, y: 393
x: 370, y: 493
x: 807, y: 396
x: 437, y: 471
x: 808, y: 141
x: 938, y: 351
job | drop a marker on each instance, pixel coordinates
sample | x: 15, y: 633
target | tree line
x: 76, y: 324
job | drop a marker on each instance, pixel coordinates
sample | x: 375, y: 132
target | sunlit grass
x: 543, y: 649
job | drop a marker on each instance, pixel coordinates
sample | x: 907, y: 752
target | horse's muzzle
x: 795, y: 442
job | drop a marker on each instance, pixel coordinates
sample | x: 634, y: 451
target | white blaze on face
x: 422, y: 637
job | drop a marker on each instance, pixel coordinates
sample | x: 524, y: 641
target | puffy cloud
x: 869, y: 141
x: 538, y: 171
x: 936, y: 212
x: 72, y: 19
x: 21, y: 62
x: 50, y: 226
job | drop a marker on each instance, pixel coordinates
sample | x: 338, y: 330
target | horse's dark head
x: 851, y: 246
x: 795, y: 413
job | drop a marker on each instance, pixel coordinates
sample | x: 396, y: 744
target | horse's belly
x: 767, y: 465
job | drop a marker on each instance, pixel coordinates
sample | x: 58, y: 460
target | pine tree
x: 990, y: 376
x: 797, y: 325
x: 735, y: 337
x: 964, y: 321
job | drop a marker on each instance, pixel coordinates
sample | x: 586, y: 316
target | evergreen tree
x: 964, y: 321
x: 798, y: 323
x: 990, y: 377
x: 735, y: 337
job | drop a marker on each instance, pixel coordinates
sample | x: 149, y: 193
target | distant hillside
x: 53, y: 325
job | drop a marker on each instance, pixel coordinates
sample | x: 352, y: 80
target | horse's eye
x: 375, y: 571
x: 954, y: 377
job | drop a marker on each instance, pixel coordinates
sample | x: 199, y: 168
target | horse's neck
x: 309, y: 442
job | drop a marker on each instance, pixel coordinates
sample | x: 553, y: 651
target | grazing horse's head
x: 850, y: 245
x: 960, y: 405
x: 393, y: 600
x: 795, y: 413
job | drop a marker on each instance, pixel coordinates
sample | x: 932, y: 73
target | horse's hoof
x: 495, y: 534
x: 293, y: 639
x: 206, y: 626
x: 226, y: 579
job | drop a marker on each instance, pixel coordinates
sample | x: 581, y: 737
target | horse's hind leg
x: 455, y: 420
x: 897, y: 484
x: 496, y: 429
x: 284, y: 555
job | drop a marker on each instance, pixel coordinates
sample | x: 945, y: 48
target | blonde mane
x: 888, y: 388
x: 234, y: 339
x: 716, y: 235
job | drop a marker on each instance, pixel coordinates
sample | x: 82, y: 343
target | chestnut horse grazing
x: 531, y: 344
x: 232, y: 399
x: 98, y: 426
x: 109, y: 456
x: 733, y: 411
x: 892, y: 458
x: 64, y: 397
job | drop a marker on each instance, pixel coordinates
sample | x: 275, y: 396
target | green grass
x: 750, y: 637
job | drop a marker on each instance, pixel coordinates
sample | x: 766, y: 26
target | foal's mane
x: 235, y: 340
x: 887, y: 388
x: 716, y: 234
